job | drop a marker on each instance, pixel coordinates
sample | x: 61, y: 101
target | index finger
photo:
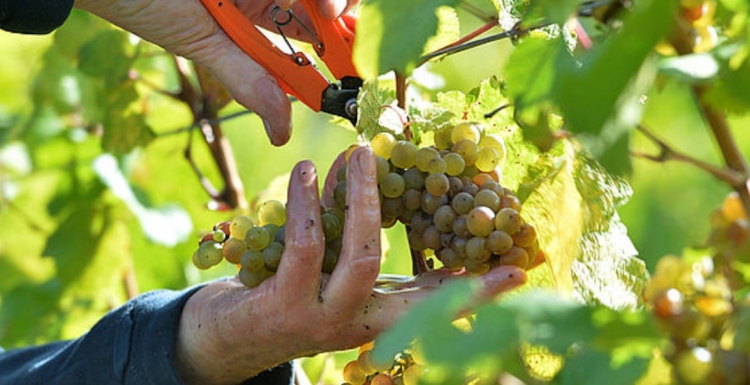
x: 359, y: 263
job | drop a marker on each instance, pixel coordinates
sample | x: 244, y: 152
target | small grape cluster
x: 450, y: 199
x: 257, y: 248
x: 406, y: 369
x: 694, y: 304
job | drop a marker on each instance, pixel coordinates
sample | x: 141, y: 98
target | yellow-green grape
x: 382, y: 167
x: 412, y: 374
x: 382, y: 379
x: 508, y: 220
x: 480, y: 221
x: 272, y: 255
x: 516, y: 256
x: 272, y: 212
x: 443, y: 139
x: 382, y: 144
x: 444, y: 217
x: 454, y: 164
x: 252, y: 260
x: 525, y: 236
x: 208, y: 254
x: 488, y: 198
x: 393, y: 185
x: 732, y: 208
x: 499, y: 242
x: 365, y: 364
x: 332, y: 226
x: 252, y: 279
x: 218, y: 236
x: 468, y: 150
x: 424, y: 156
x: 437, y: 184
x: 239, y: 226
x: 693, y: 366
x: 496, y: 142
x: 353, y: 374
x: 465, y: 130
x: 233, y: 249
x: 330, y: 259
x: 257, y: 238
x: 197, y: 262
x: 476, y: 250
x: 437, y: 166
x: 487, y: 159
x: 404, y: 154
x: 462, y: 202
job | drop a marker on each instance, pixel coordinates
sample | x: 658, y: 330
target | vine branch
x: 667, y: 153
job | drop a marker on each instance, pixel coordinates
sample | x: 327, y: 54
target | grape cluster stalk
x: 447, y: 195
x: 695, y: 306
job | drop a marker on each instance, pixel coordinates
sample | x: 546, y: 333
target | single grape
x: 456, y: 185
x: 476, y: 267
x: 392, y: 207
x: 668, y: 303
x: 368, y: 366
x: 412, y: 374
x: 466, y: 131
x: 487, y: 159
x: 470, y: 188
x: 404, y: 154
x: 436, y: 166
x: 525, y: 236
x: 443, y: 139
x: 437, y: 184
x: 252, y: 260
x: 431, y: 237
x: 693, y: 366
x: 239, y: 226
x: 462, y: 203
x: 424, y: 156
x: 232, y: 249
x: 476, y: 249
x: 382, y: 168
x: 468, y: 151
x: 480, y: 221
x: 341, y: 174
x: 454, y: 164
x: 382, y: 379
x: 382, y: 144
x: 252, y: 279
x: 257, y: 238
x: 393, y: 185
x: 218, y: 236
x: 487, y: 198
x: 332, y: 226
x: 416, y: 242
x: 516, y: 256
x: 420, y: 222
x: 353, y: 374
x: 430, y: 203
x: 272, y: 255
x: 510, y: 200
x: 339, y: 194
x: 732, y: 207
x: 459, y: 246
x: 209, y: 254
x: 450, y: 259
x: 495, y: 142
x: 330, y: 259
x: 508, y: 220
x: 223, y: 226
x: 414, y: 179
x: 446, y: 239
x: 460, y: 228
x: 412, y: 199
x: 499, y: 242
x: 444, y: 217
x: 272, y: 212
x: 482, y: 178
x: 197, y: 262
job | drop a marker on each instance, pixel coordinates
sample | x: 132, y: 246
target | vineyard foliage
x: 115, y: 157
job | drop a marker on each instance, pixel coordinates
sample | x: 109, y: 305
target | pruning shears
x: 295, y: 73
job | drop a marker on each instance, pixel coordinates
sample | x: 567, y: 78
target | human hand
x: 229, y: 333
x: 185, y: 28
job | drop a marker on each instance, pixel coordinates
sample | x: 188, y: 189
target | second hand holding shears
x: 295, y: 73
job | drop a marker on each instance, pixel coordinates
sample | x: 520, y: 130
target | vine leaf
x: 395, y: 40
x: 374, y: 102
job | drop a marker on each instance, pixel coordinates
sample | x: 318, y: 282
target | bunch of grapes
x: 257, y: 248
x: 694, y: 304
x: 449, y: 198
x: 406, y: 369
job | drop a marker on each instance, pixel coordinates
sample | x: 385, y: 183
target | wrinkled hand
x: 229, y: 333
x: 185, y: 28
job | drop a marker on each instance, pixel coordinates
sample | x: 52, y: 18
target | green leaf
x: 555, y: 11
x: 374, y: 102
x: 440, y: 308
x: 532, y: 69
x: 694, y: 68
x: 124, y: 133
x: 600, y: 97
x: 106, y: 56
x: 595, y: 367
x: 397, y: 33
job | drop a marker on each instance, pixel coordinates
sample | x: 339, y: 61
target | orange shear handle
x: 295, y: 73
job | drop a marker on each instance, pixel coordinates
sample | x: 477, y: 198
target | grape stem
x: 204, y: 105
x: 717, y: 121
x: 667, y: 153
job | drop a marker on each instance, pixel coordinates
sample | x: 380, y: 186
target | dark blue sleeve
x: 133, y: 344
x: 33, y: 16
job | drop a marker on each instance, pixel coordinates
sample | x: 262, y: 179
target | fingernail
x: 306, y: 172
x: 364, y: 163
